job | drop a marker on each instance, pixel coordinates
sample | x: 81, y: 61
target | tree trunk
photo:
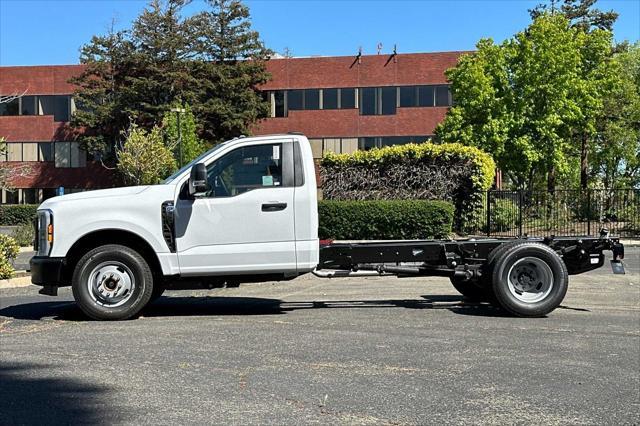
x: 551, y: 179
x: 584, y: 162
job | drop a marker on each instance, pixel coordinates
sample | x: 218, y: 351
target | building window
x: 29, y: 196
x: 378, y: 100
x: 425, y: 96
x: 347, y: 98
x: 10, y: 108
x: 55, y: 105
x: 30, y: 151
x: 69, y: 154
x: 279, y: 103
x: 59, y: 106
x: 45, y: 151
x: 330, y: 99
x: 408, y: 96
x: 14, y: 151
x: 389, y: 100
x: 312, y: 99
x: 28, y: 105
x: 442, y: 96
x: 295, y: 100
x: 368, y: 100
x: 11, y: 197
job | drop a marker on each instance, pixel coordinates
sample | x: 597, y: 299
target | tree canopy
x: 535, y: 100
x: 581, y: 14
x: 212, y: 61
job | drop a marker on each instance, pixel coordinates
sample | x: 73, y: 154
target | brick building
x: 341, y: 103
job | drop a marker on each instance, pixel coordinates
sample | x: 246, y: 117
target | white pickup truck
x: 246, y: 210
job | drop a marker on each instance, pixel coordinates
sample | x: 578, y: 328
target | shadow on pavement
x: 216, y: 306
x: 30, y: 395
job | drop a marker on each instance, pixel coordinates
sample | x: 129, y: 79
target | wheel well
x: 111, y: 236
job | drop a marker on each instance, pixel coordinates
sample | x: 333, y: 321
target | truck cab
x: 245, y: 209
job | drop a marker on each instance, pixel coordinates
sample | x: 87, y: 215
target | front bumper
x: 47, y: 271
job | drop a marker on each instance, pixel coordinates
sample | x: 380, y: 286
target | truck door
x: 245, y: 222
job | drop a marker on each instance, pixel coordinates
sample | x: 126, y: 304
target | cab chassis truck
x: 246, y: 211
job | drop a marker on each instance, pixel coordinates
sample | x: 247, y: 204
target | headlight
x: 44, y: 236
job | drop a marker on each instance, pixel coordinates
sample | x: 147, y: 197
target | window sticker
x: 267, y: 180
x: 276, y: 152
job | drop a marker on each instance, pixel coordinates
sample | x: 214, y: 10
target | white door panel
x: 245, y: 224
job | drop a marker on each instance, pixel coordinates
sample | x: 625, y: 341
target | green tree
x: 525, y: 100
x: 143, y: 158
x: 616, y: 151
x: 231, y: 70
x: 212, y: 61
x: 581, y: 14
x: 192, y: 146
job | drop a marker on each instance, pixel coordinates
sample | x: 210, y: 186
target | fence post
x: 520, y: 213
x: 588, y: 211
x: 488, y: 213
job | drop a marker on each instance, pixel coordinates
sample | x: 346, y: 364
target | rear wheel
x: 112, y: 282
x: 529, y: 279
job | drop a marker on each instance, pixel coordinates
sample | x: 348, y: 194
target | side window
x: 244, y: 169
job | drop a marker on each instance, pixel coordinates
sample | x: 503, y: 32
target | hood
x: 130, y: 193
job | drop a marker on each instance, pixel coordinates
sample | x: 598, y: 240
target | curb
x: 23, y: 281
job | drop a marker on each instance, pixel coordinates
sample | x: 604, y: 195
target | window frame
x: 287, y: 164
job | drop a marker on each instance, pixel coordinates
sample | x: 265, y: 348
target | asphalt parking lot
x: 354, y: 351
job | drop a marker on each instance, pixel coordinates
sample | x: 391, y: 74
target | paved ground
x: 382, y: 351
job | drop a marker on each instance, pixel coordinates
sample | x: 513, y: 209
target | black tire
x: 533, y: 289
x: 131, y: 263
x: 158, y: 290
x: 472, y: 290
x: 496, y: 253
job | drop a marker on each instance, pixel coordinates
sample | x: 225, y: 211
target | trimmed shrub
x: 451, y: 172
x: 8, y: 250
x: 384, y: 219
x: 24, y: 235
x: 17, y: 214
x: 504, y: 215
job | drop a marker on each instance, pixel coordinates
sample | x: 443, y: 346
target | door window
x: 245, y: 169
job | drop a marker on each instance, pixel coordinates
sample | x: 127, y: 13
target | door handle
x: 273, y: 207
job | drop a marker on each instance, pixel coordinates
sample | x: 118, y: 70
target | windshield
x: 197, y: 160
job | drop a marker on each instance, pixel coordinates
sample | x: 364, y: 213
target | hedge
x: 451, y: 172
x: 384, y: 219
x: 17, y: 214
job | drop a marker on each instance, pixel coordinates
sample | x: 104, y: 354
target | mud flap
x: 617, y: 267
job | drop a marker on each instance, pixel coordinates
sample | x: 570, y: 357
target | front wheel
x: 112, y: 282
x: 529, y: 279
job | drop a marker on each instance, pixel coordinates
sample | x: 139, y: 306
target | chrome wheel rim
x: 530, y: 279
x: 111, y: 284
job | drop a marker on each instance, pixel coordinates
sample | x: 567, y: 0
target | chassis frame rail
x: 462, y: 259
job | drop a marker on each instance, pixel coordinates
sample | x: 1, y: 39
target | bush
x: 24, y: 235
x: 17, y: 214
x: 504, y: 215
x: 8, y: 250
x: 426, y: 171
x: 384, y: 220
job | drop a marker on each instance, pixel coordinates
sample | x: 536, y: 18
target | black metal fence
x: 561, y: 212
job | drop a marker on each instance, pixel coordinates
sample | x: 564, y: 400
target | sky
x: 38, y: 32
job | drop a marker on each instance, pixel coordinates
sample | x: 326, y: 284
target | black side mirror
x: 198, y: 179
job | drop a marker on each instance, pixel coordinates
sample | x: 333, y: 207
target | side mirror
x: 198, y: 179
